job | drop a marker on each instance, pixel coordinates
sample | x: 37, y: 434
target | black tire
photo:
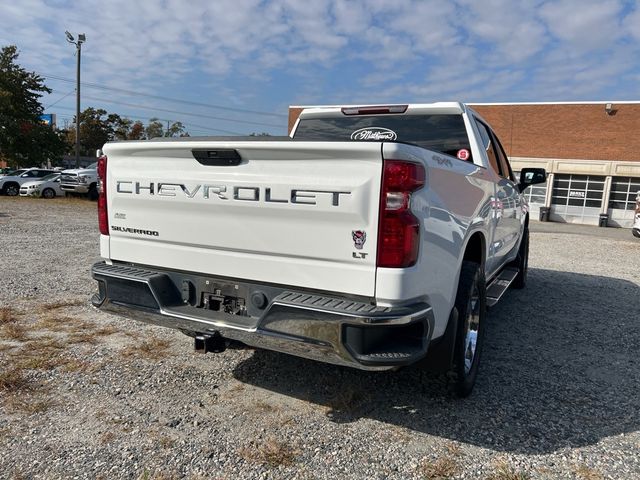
x: 636, y: 232
x: 471, y: 304
x: 522, y: 262
x: 93, y: 192
x: 11, y: 189
x: 48, y: 193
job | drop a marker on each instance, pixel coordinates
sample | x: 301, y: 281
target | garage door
x: 577, y: 198
x: 622, y: 201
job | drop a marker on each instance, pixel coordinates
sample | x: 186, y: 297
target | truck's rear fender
x: 454, y: 204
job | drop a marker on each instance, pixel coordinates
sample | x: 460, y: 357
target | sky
x: 182, y: 60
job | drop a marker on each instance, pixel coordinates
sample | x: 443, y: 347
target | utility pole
x: 81, y: 39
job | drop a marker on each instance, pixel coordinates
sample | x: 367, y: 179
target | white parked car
x: 47, y: 187
x: 10, y: 184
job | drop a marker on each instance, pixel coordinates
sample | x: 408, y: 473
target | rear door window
x: 444, y: 133
x: 502, y: 156
x: 489, y: 147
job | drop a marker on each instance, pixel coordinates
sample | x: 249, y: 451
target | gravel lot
x: 88, y: 395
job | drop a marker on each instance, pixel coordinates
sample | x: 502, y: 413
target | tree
x: 156, y: 129
x: 24, y: 139
x: 136, y: 132
x: 176, y: 129
x: 97, y: 127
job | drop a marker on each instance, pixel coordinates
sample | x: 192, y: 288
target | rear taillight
x: 103, y: 216
x: 398, y: 229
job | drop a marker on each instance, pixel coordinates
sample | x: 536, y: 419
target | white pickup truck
x: 375, y: 237
x: 81, y: 180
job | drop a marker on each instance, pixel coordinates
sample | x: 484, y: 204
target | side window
x: 489, y: 147
x: 504, y: 161
x: 28, y: 174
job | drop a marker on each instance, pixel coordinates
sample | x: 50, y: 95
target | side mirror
x: 531, y: 176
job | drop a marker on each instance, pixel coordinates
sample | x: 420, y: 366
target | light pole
x: 81, y: 39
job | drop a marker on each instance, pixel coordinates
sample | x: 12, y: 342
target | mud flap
x: 440, y: 354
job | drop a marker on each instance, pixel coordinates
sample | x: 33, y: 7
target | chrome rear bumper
x: 329, y: 329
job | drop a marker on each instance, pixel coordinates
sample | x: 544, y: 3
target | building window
x: 623, y: 193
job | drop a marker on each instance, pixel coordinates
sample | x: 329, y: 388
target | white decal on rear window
x: 374, y: 133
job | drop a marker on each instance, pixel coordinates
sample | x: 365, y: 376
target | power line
x: 146, y: 107
x: 60, y: 99
x: 187, y: 124
x: 168, y: 99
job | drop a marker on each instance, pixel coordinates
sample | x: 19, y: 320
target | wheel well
x: 475, y: 250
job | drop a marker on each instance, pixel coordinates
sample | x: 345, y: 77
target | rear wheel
x: 48, y: 193
x: 471, y: 304
x: 636, y: 232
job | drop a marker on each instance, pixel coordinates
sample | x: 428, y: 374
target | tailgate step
x: 329, y: 304
x: 500, y: 284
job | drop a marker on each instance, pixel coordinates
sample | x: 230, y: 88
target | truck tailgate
x: 285, y: 214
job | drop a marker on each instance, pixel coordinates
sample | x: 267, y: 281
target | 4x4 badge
x: 359, y: 237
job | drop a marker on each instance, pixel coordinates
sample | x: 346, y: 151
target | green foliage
x: 24, y: 139
x: 98, y: 127
x: 156, y: 129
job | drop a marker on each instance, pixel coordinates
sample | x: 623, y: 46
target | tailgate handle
x: 220, y: 157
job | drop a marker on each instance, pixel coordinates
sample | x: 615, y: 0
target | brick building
x: 590, y: 150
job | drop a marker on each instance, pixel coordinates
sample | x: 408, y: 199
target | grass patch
x: 443, y: 467
x: 14, y: 331
x: 5, y: 347
x: 43, y: 345
x: 7, y: 315
x: 586, y: 473
x: 13, y: 380
x: 504, y: 471
x: 270, y: 452
x: 58, y: 304
x: 106, y: 331
x: 83, y: 337
x: 62, y: 324
x: 28, y: 404
x: 150, y: 349
x: 106, y: 438
x: 73, y: 365
x: 263, y: 407
x: 440, y: 469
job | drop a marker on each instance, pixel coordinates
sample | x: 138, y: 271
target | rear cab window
x: 443, y: 133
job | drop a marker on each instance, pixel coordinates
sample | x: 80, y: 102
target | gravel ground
x: 87, y: 395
